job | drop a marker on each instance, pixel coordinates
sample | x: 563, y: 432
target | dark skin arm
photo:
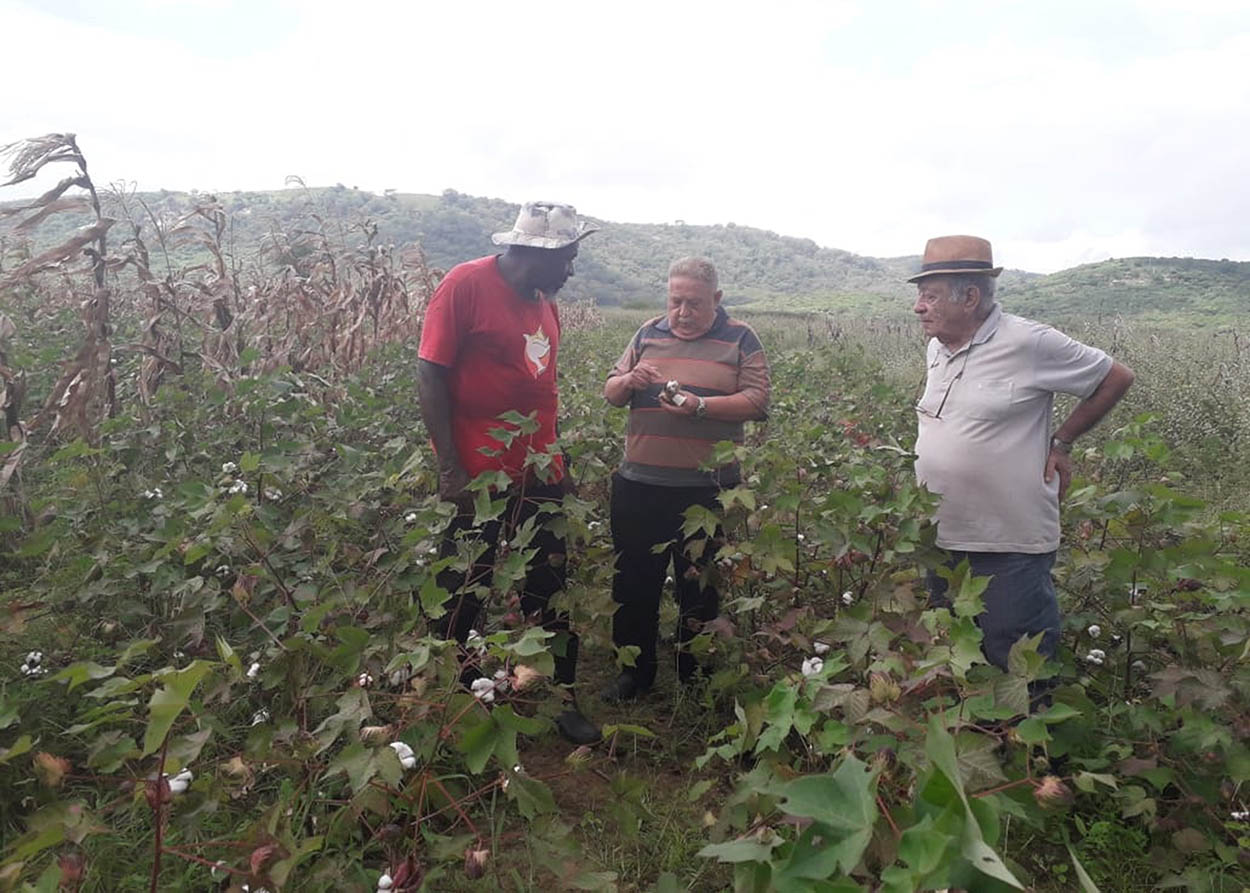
x: 1087, y: 414
x: 436, y: 411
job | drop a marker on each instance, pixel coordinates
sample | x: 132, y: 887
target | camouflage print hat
x: 545, y: 225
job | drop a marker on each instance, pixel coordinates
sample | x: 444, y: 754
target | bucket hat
x: 545, y: 225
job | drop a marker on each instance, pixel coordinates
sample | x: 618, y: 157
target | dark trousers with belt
x: 1019, y: 601
x: 645, y: 516
x: 545, y: 575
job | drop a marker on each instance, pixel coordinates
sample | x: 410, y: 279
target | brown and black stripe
x: 669, y: 450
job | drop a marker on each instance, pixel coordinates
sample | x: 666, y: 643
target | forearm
x: 1090, y: 411
x: 436, y: 411
x: 739, y: 407
x: 616, y: 390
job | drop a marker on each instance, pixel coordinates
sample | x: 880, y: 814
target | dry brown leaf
x: 73, y: 203
x: 28, y: 156
x: 63, y: 252
x: 51, y: 770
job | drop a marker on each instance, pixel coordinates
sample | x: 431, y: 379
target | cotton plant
x: 407, y: 758
x: 32, y: 667
x: 179, y: 783
x: 476, y: 642
x: 483, y: 689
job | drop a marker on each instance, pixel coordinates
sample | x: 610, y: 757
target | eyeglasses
x: 945, y: 394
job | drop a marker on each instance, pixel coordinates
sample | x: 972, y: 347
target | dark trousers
x: 1019, y: 601
x: 645, y: 516
x: 545, y: 575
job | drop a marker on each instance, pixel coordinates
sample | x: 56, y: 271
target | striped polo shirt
x: 665, y: 449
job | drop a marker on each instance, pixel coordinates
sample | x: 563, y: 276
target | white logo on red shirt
x: 537, y: 349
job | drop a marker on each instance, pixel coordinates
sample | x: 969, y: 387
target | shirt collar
x: 721, y: 317
x: 984, y: 332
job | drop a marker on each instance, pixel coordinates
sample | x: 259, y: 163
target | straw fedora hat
x: 545, y: 225
x: 956, y: 254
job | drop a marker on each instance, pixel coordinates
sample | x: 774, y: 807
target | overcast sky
x: 1065, y: 131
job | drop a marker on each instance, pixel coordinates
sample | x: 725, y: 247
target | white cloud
x: 862, y: 128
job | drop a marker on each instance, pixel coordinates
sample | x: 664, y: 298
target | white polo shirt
x: 984, y: 432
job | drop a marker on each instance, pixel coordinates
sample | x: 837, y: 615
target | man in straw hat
x: 985, y: 442
x: 489, y: 345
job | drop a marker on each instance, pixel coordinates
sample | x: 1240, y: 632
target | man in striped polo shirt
x: 721, y: 377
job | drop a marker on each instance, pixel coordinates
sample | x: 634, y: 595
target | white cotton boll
x: 238, y: 487
x: 229, y: 468
x: 483, y: 689
x: 1240, y: 816
x: 668, y: 581
x: 812, y: 666
x: 820, y: 647
x: 848, y: 598
x: 410, y: 518
x: 475, y: 642
x: 801, y: 537
x: 501, y: 680
x: 385, y: 882
x: 34, y: 658
x: 180, y: 782
x: 1098, y: 653
x: 407, y: 758
x: 1094, y: 630
x: 223, y: 570
x: 364, y: 680
x: 253, y: 672
x: 260, y: 716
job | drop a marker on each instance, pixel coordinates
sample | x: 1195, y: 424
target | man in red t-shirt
x: 488, y: 346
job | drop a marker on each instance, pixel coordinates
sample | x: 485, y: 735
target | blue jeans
x: 1020, y: 600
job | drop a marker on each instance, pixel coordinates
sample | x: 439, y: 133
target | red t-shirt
x: 500, y: 353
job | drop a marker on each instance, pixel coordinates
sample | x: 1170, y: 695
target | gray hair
x: 694, y: 267
x: 985, y: 285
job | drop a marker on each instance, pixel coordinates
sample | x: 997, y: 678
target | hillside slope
x: 626, y: 263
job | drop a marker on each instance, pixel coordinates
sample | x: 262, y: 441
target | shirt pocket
x: 935, y: 389
x: 987, y: 399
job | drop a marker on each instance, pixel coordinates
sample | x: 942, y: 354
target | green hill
x: 1151, y: 287
x: 626, y: 263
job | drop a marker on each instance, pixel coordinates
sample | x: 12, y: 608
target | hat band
x: 957, y: 265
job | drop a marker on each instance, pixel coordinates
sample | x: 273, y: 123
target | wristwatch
x: 1063, y: 446
x: 700, y: 409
